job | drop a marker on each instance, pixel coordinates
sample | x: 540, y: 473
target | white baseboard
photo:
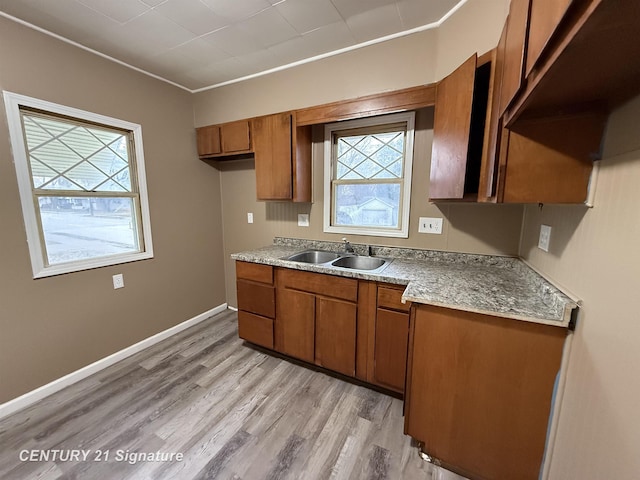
x: 39, y: 393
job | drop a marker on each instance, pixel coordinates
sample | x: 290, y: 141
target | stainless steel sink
x: 313, y: 256
x: 360, y: 263
x: 340, y: 260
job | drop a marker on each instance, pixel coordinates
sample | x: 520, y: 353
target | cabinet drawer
x: 327, y: 285
x: 256, y: 298
x: 255, y: 329
x: 389, y: 297
x: 254, y: 271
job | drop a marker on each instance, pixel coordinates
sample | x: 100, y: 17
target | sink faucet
x: 347, y: 246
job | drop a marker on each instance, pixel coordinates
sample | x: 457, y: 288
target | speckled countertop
x: 494, y: 285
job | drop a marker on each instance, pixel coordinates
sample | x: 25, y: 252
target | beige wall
x: 595, y: 253
x: 476, y: 27
x: 413, y: 60
x: 52, y: 326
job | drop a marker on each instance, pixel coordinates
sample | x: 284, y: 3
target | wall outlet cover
x: 545, y: 237
x: 303, y: 219
x: 430, y: 225
x: 118, y: 281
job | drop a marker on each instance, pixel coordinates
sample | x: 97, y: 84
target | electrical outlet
x: 249, y: 217
x: 303, y: 219
x: 430, y: 225
x: 118, y: 281
x: 545, y: 237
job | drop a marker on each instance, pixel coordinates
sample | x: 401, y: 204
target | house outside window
x: 368, y: 165
x: 82, y: 186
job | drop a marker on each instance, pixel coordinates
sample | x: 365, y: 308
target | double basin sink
x: 341, y: 260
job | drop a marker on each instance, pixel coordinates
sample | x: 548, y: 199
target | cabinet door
x: 451, y: 130
x: 235, y: 137
x: 515, y: 48
x: 390, y: 354
x: 294, y: 324
x: 208, y: 139
x: 479, y: 390
x: 545, y: 17
x: 336, y: 335
x: 272, y: 149
x: 489, y: 170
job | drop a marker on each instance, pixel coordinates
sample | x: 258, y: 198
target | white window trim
x: 403, y: 232
x: 13, y: 102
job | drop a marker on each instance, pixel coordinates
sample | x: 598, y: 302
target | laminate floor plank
x: 223, y: 410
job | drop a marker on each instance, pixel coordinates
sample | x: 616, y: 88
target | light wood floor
x: 232, y: 411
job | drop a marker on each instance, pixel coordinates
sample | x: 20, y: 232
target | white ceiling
x: 198, y: 44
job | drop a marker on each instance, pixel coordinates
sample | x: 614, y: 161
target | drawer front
x: 256, y: 298
x: 318, y: 283
x: 255, y: 329
x: 389, y: 297
x: 255, y: 271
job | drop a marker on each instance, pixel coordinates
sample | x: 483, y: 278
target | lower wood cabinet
x: 354, y: 327
x: 316, y: 318
x: 295, y: 326
x: 479, y: 391
x: 256, y: 303
x: 391, y: 339
x: 336, y: 335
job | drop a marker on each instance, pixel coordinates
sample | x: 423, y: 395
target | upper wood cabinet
x: 283, y: 158
x: 580, y: 54
x: 514, y: 51
x: 541, y: 159
x: 226, y: 139
x: 544, y: 18
x: 458, y: 131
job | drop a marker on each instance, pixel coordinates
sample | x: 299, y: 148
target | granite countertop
x: 488, y: 284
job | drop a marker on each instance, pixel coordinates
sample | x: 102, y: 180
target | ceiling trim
x: 404, y: 33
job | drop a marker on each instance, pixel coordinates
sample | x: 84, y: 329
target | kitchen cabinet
x: 282, y: 153
x: 358, y: 328
x: 231, y: 138
x: 514, y: 51
x: 547, y: 159
x: 458, y: 131
x: 316, y: 317
x: 580, y: 54
x: 256, y: 303
x: 544, y: 18
x: 479, y: 390
x: 391, y: 338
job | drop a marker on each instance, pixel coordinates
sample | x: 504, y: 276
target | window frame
x: 31, y: 212
x: 329, y: 162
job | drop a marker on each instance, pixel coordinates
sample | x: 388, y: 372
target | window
x: 368, y: 175
x: 82, y: 186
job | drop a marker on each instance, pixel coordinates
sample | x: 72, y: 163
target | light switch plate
x: 249, y: 217
x: 303, y: 219
x: 545, y: 237
x: 430, y: 225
